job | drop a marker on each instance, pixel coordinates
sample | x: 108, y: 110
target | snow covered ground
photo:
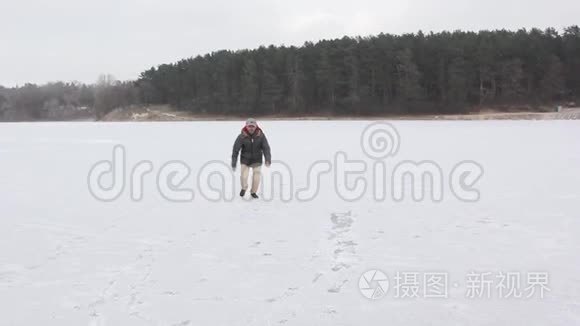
x: 67, y: 258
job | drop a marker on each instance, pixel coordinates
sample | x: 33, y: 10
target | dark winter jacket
x: 253, y: 146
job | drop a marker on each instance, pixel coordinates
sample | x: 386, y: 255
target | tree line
x: 65, y: 101
x: 446, y: 72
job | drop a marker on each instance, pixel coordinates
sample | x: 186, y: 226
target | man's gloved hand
x: 268, y: 163
x: 234, y: 167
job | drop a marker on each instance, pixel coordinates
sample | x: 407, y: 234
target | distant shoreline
x: 167, y: 114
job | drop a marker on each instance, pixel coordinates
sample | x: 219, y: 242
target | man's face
x: 251, y: 129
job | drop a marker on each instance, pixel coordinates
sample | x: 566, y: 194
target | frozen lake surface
x: 67, y: 258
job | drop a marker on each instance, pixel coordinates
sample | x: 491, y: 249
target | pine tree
x: 249, y: 85
x: 408, y: 77
x: 552, y: 85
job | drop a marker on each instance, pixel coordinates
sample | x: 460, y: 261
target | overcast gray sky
x: 78, y: 40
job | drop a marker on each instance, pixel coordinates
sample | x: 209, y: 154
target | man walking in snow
x: 253, y: 144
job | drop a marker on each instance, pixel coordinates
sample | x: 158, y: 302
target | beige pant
x: 255, y: 176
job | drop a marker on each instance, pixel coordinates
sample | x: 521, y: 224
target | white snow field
x: 67, y: 258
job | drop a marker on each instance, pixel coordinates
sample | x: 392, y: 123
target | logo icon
x: 373, y: 284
